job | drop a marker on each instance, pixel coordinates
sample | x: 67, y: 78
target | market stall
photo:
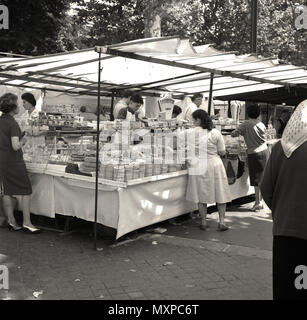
x: 150, y: 67
x: 136, y: 191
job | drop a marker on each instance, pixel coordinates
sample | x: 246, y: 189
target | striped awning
x: 153, y: 67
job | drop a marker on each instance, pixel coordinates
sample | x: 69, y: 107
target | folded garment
x: 77, y: 159
x: 90, y: 159
x: 74, y: 169
x: 91, y: 147
x: 90, y: 153
x: 89, y: 165
x: 82, y: 169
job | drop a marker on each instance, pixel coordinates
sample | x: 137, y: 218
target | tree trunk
x: 152, y: 25
x: 152, y: 18
x: 152, y: 29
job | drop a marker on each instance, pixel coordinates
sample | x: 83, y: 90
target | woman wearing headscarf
x: 284, y: 188
x: 13, y: 172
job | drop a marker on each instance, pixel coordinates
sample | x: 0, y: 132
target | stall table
x: 123, y: 206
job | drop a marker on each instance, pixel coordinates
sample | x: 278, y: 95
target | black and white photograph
x: 153, y: 154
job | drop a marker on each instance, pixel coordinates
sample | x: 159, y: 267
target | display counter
x: 137, y: 186
x: 123, y: 206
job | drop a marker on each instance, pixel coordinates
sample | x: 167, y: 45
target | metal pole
x: 254, y: 18
x: 210, y: 93
x: 97, y: 152
x: 112, y: 107
x: 229, y: 109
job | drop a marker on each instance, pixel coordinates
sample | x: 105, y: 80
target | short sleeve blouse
x: 215, y: 142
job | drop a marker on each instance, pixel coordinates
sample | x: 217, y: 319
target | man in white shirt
x: 193, y: 106
x: 131, y: 113
x: 29, y: 104
x: 122, y: 103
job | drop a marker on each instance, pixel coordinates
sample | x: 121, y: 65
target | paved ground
x: 182, y: 263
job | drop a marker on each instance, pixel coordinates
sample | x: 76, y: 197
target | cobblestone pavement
x: 182, y: 263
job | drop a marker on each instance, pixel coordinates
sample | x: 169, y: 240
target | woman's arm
x: 222, y: 153
x: 15, y: 134
x: 267, y: 184
x: 239, y: 131
x: 35, y: 132
x: 235, y: 133
x: 221, y: 149
x: 18, y: 144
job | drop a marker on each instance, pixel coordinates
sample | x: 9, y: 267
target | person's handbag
x: 231, y: 176
x: 231, y: 167
x: 241, y: 169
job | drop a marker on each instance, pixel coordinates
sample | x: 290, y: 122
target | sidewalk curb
x: 210, y: 245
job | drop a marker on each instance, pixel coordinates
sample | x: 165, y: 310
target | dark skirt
x: 288, y: 254
x: 14, y: 178
x: 256, y: 165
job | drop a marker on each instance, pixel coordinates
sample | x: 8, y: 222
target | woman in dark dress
x: 13, y: 172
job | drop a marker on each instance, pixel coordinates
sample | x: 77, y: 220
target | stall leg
x: 67, y: 224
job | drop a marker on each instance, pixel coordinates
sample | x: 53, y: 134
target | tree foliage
x: 223, y: 23
x: 108, y: 22
x: 43, y: 26
x: 34, y: 26
x: 277, y: 33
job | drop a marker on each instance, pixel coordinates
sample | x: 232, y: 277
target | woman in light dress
x: 207, y: 182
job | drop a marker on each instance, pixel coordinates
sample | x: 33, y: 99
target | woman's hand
x: 235, y: 134
x: 222, y: 153
x: 23, y: 141
x: 35, y: 131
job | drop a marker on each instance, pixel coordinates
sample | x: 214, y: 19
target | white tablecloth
x: 125, y: 209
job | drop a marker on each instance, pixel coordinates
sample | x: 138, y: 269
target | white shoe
x: 30, y: 229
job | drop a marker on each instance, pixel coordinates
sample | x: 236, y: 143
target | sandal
x: 222, y: 227
x: 203, y: 227
x: 257, y: 207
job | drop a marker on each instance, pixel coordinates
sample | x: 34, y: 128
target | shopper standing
x: 254, y: 131
x: 207, y: 182
x: 284, y: 188
x: 13, y: 172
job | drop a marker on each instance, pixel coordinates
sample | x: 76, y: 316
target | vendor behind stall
x: 192, y: 106
x: 29, y: 103
x: 122, y: 103
x: 87, y: 116
x: 176, y: 111
x: 132, y: 112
